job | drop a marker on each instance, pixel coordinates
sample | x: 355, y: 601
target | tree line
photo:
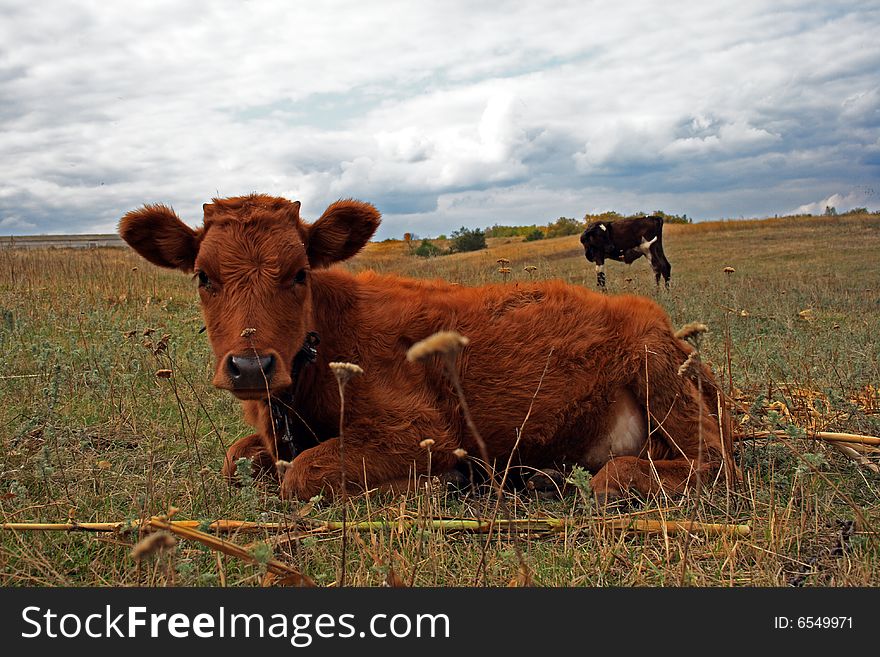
x: 474, y: 239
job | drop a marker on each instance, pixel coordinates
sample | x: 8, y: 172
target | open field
x: 84, y: 241
x: 88, y: 433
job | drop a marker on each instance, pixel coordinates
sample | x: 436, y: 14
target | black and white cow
x: 626, y: 240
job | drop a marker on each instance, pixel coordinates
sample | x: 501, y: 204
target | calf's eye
x: 204, y: 281
x: 300, y: 277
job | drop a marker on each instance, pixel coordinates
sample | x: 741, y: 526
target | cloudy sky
x: 442, y: 114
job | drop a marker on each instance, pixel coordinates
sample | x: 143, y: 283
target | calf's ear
x: 343, y: 230
x: 158, y: 234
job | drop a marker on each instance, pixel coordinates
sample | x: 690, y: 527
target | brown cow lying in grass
x: 612, y: 398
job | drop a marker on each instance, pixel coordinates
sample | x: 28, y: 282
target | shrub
x: 467, y: 239
x: 427, y: 250
x: 536, y: 234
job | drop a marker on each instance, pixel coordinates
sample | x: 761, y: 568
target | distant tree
x: 536, y: 234
x: 672, y: 218
x: 857, y: 211
x: 830, y: 211
x: 467, y: 239
x: 427, y: 250
x: 564, y: 226
x: 501, y: 231
x: 509, y: 231
x: 611, y: 215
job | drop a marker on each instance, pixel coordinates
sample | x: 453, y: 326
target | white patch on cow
x: 600, y: 269
x: 626, y: 434
x: 602, y: 226
x: 645, y: 246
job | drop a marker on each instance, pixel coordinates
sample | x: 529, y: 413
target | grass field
x: 89, y: 433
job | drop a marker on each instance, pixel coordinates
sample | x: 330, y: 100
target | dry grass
x: 90, y: 433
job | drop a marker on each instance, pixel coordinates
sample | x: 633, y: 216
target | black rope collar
x: 279, y: 405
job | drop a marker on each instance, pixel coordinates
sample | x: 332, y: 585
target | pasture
x: 90, y: 433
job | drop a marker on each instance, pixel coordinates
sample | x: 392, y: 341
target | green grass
x: 89, y: 432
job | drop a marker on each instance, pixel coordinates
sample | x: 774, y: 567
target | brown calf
x: 612, y: 399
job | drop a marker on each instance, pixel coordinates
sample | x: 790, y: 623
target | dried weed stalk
x: 343, y: 372
x: 448, y: 345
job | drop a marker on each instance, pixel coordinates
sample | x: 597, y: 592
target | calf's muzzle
x: 250, y: 372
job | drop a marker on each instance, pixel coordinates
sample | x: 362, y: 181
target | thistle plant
x: 343, y: 372
x: 448, y: 345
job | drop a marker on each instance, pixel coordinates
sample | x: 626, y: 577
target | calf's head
x: 253, y: 258
x: 594, y: 240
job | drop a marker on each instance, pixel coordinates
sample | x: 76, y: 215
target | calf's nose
x: 250, y: 372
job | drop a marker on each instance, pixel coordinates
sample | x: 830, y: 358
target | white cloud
x: 864, y: 196
x: 420, y: 107
x: 13, y: 222
x: 406, y: 145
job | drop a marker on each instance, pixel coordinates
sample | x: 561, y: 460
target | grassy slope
x: 95, y: 435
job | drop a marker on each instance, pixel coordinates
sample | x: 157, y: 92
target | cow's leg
x: 648, y: 477
x: 649, y: 250
x: 660, y: 264
x: 254, y: 448
x: 685, y: 439
x: 451, y: 480
x: 600, y: 272
x: 318, y: 469
x: 655, y: 267
x: 373, y: 455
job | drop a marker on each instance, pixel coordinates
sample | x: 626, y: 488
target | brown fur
x: 251, y: 249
